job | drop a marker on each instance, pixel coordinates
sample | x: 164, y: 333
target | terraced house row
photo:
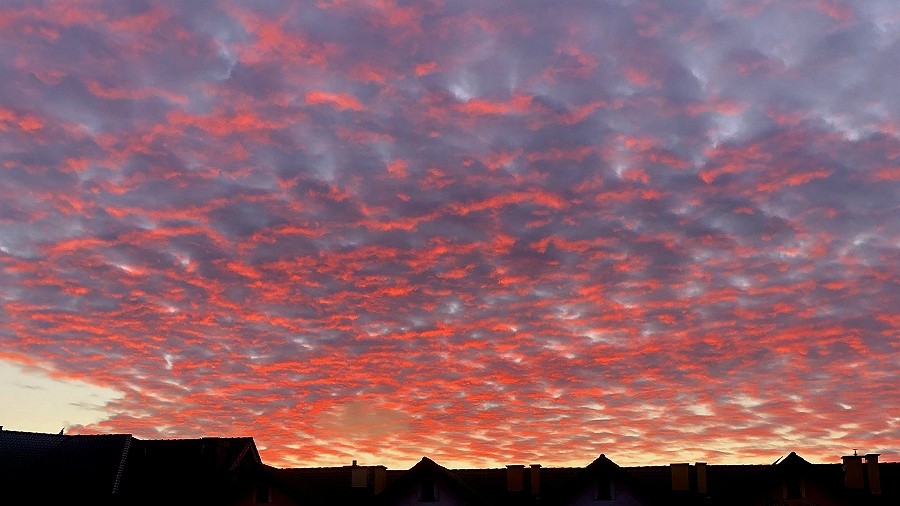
x: 114, y: 469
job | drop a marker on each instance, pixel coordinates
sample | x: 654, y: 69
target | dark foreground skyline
x: 477, y: 231
x: 120, y: 469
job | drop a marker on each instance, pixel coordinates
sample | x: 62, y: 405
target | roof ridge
x: 121, y: 469
x: 240, y: 457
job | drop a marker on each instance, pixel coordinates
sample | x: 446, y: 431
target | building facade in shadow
x: 119, y: 469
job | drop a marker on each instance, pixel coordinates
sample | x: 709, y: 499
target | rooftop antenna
x: 854, y: 452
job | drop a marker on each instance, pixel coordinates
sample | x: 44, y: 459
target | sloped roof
x: 19, y: 450
x: 492, y: 484
x: 118, y: 468
x: 728, y: 485
x: 181, y: 470
x: 601, y: 466
x: 219, y: 454
x: 734, y: 484
x: 88, y: 464
x: 63, y: 466
x: 327, y: 485
x: 427, y: 468
x: 828, y: 477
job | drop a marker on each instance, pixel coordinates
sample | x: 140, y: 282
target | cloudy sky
x: 487, y: 232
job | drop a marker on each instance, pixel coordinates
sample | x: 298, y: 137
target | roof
x: 19, y: 450
x: 77, y: 467
x: 492, y: 484
x: 427, y: 469
x: 182, y: 470
x: 88, y: 465
x: 210, y: 454
x: 327, y: 485
x: 120, y: 469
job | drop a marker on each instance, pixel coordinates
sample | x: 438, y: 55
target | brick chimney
x: 535, y: 479
x: 701, y: 477
x: 853, y: 471
x: 874, y: 474
x: 380, y: 478
x: 359, y: 476
x: 515, y: 478
x: 681, y: 476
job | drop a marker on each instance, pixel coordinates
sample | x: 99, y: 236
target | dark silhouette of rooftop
x: 120, y: 469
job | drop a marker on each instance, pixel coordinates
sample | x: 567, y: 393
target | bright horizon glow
x: 483, y: 232
x: 36, y: 402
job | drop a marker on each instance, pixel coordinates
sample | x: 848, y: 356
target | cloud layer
x: 487, y: 232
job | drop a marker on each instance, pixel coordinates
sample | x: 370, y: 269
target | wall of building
x: 813, y: 495
x: 621, y: 494
x: 276, y: 497
x: 445, y: 495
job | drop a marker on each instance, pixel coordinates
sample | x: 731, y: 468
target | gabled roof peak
x: 793, y: 459
x: 604, y: 461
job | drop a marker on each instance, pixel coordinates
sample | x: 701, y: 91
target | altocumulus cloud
x: 485, y: 232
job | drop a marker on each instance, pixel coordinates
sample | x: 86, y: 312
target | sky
x: 489, y: 233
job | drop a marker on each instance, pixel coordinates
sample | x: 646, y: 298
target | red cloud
x: 337, y: 100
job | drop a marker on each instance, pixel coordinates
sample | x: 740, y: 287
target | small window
x: 605, y: 490
x: 427, y: 493
x: 793, y: 489
x: 263, y: 494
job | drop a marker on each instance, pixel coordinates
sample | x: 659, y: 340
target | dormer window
x: 263, y: 494
x: 427, y: 492
x: 604, y: 490
x: 794, y: 489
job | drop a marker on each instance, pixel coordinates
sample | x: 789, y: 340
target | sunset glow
x: 488, y: 232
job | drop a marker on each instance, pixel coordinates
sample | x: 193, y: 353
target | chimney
x: 874, y: 475
x: 535, y: 479
x: 853, y: 471
x: 380, y: 478
x: 359, y: 476
x: 515, y: 478
x: 701, y: 478
x: 681, y: 476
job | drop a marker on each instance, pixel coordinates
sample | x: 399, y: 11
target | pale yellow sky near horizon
x: 33, y: 401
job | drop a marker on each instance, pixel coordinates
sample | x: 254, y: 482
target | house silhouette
x: 119, y: 469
